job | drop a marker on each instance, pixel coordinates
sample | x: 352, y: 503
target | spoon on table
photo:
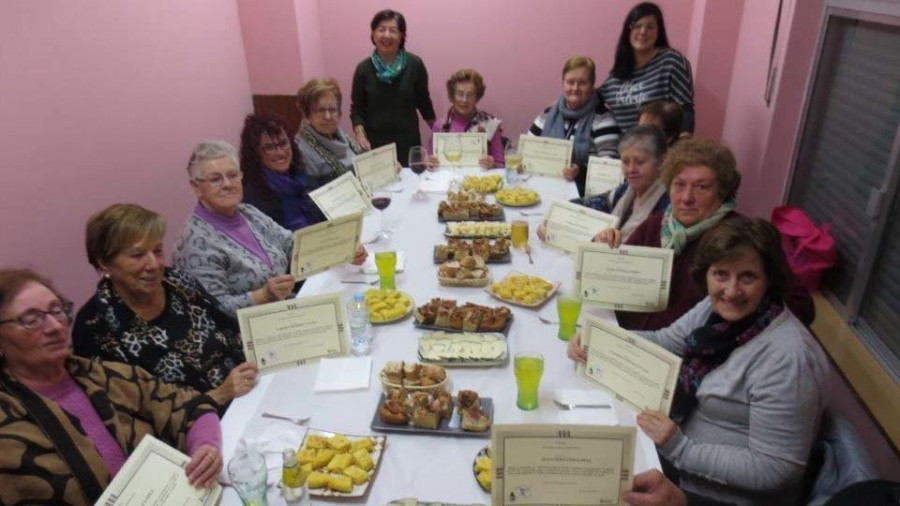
x: 357, y: 282
x: 298, y: 421
x: 551, y: 322
x: 571, y: 406
x: 528, y: 252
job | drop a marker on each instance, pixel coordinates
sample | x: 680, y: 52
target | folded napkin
x: 341, y: 374
x: 370, y: 268
x: 269, y: 438
x: 594, y: 416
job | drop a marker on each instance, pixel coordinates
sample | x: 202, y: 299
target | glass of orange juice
x: 519, y: 233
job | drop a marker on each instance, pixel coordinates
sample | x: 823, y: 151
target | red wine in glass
x: 381, y: 203
x: 418, y: 168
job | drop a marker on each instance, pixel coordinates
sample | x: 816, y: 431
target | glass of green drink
x: 386, y: 263
x: 568, y: 304
x: 528, y: 367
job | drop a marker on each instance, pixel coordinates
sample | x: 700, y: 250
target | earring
x: 106, y: 275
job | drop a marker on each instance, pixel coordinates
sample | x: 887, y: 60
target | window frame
x: 879, y: 207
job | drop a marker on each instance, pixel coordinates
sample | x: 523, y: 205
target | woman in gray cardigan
x: 753, y: 381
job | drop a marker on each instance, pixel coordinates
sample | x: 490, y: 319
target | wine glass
x: 513, y: 159
x: 381, y: 199
x: 453, y: 149
x: 418, y: 162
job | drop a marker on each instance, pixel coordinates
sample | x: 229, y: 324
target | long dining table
x: 429, y: 468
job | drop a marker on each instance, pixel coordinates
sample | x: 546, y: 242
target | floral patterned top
x: 192, y: 343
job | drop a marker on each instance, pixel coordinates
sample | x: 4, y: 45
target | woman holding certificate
x: 703, y: 181
x: 154, y: 317
x: 464, y: 89
x: 388, y: 88
x: 274, y: 181
x: 579, y: 115
x: 646, y: 69
x: 69, y: 423
x: 753, y: 380
x: 327, y: 152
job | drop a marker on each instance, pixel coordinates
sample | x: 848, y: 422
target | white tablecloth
x: 427, y: 467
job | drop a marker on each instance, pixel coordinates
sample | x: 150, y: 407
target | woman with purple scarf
x: 240, y: 255
x: 753, y: 380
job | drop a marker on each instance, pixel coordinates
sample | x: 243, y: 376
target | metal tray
x: 444, y: 429
x: 505, y: 259
x: 504, y: 330
x: 502, y: 217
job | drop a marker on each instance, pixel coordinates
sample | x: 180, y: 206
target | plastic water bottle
x: 360, y: 326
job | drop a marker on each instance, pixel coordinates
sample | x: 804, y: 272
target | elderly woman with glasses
x: 69, y: 423
x: 275, y: 181
x: 327, y: 152
x: 146, y: 314
x: 465, y: 88
x: 240, y: 255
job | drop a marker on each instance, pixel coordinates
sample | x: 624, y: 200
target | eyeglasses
x: 218, y: 179
x: 273, y: 147
x: 636, y: 27
x: 322, y: 111
x: 460, y: 95
x: 34, y: 318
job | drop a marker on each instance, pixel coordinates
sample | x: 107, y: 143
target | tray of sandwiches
x: 339, y: 465
x: 476, y: 229
x: 492, y: 251
x: 412, y: 376
x: 435, y: 414
x: 468, y: 271
x: 446, y: 315
x: 451, y: 349
x: 466, y: 211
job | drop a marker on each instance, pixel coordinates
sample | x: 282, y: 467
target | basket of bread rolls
x: 413, y: 376
x: 467, y: 271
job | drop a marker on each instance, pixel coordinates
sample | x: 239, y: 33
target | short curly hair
x: 708, y: 153
x: 466, y: 76
x: 578, y: 61
x: 313, y: 90
x: 736, y: 236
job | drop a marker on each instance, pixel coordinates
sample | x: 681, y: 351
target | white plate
x: 358, y: 490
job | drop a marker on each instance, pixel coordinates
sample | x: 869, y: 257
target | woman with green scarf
x: 703, y: 181
x: 388, y: 88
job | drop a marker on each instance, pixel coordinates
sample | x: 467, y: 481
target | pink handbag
x: 809, y: 249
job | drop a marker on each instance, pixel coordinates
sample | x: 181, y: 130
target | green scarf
x: 676, y: 237
x: 387, y: 73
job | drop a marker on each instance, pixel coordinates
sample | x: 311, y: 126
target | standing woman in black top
x: 646, y: 69
x: 388, y: 88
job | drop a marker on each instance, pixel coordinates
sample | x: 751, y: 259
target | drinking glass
x: 248, y: 474
x: 418, y: 162
x: 453, y: 149
x: 518, y: 233
x: 568, y: 305
x: 528, y: 368
x: 381, y: 199
x: 386, y: 262
x: 513, y: 161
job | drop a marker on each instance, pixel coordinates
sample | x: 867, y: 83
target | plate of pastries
x: 483, y: 184
x: 467, y: 271
x: 448, y: 315
x: 517, y: 197
x: 493, y: 251
x: 476, y: 229
x: 435, y: 413
x: 523, y: 290
x: 469, y: 211
x: 388, y: 306
x: 339, y: 465
x: 412, y: 376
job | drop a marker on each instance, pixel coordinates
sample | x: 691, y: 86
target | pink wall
x: 519, y: 46
x: 271, y: 40
x: 101, y: 103
x: 310, y: 36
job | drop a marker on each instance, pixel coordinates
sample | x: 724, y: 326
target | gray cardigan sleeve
x: 785, y: 394
x: 673, y: 337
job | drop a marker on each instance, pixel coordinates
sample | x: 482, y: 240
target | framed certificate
x: 629, y: 278
x: 566, y: 225
x: 377, y: 167
x: 561, y: 464
x: 474, y: 146
x: 289, y: 333
x: 319, y: 247
x: 341, y: 197
x: 154, y: 475
x: 545, y: 156
x: 636, y: 371
x: 603, y: 174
